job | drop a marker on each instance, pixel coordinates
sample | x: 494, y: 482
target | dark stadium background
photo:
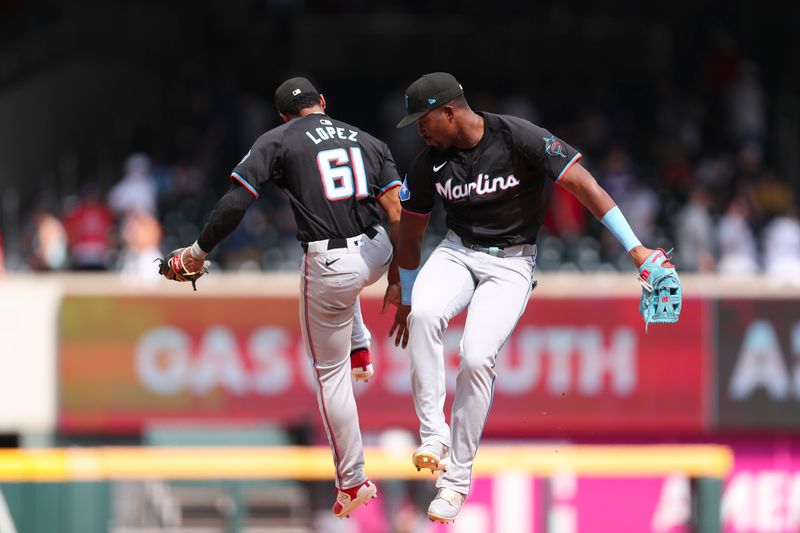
x: 87, y: 84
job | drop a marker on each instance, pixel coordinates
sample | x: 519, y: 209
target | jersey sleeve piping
x: 237, y: 177
x: 421, y: 215
x: 383, y: 190
x: 574, y: 160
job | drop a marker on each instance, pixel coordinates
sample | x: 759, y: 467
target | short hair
x: 301, y: 102
x: 459, y: 101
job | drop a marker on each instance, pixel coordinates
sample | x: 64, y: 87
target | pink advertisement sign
x: 762, y: 495
x: 566, y: 504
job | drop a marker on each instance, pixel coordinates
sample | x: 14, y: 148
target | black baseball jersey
x: 493, y: 193
x: 331, y: 171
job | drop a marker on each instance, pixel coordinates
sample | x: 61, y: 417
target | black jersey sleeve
x: 417, y: 192
x: 225, y: 217
x: 261, y: 164
x: 542, y: 149
x: 387, y: 178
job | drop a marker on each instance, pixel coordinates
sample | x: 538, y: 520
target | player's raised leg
x: 443, y: 289
x: 326, y: 316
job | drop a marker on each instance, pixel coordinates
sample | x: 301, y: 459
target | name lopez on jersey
x: 329, y: 132
x: 482, y: 186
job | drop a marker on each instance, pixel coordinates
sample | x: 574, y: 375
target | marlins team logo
x: 553, y: 147
x: 405, y: 193
x: 482, y: 186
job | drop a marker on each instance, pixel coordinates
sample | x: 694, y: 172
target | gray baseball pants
x: 330, y: 284
x: 495, y: 291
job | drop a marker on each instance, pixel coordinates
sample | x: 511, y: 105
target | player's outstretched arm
x: 412, y: 231
x: 390, y: 203
x: 585, y: 188
x: 662, y: 295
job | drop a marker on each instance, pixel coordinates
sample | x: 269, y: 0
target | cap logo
x: 296, y: 92
x: 405, y: 102
x: 431, y: 101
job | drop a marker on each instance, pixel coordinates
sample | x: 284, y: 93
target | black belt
x: 473, y: 246
x: 333, y: 244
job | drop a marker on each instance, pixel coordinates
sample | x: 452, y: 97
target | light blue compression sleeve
x: 615, y: 221
x: 407, y: 279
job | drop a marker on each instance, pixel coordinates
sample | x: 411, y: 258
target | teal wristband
x: 407, y: 279
x: 615, y: 221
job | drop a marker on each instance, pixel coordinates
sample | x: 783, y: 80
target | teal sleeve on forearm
x: 615, y: 221
x: 407, y: 279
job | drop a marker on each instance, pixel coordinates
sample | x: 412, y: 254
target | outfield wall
x: 104, y: 353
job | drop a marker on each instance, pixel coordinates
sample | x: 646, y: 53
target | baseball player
x: 490, y: 171
x: 335, y: 176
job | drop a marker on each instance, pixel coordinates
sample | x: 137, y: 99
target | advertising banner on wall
x: 758, y: 364
x: 761, y: 495
x: 572, y: 366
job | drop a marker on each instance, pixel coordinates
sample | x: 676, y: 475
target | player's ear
x: 449, y: 112
x: 285, y: 117
x: 322, y: 103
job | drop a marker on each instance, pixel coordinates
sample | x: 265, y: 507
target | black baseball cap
x: 429, y: 92
x: 291, y: 89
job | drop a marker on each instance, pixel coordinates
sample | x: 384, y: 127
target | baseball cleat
x: 361, y: 364
x: 348, y: 500
x: 432, y: 455
x: 445, y: 507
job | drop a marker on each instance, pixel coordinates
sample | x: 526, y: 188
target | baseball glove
x: 661, y: 290
x: 172, y: 267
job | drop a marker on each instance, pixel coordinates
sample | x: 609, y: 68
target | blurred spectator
x: 136, y: 191
x: 716, y: 170
x: 694, y: 231
x: 48, y: 242
x: 89, y: 226
x: 140, y: 235
x: 782, y: 246
x: 773, y: 196
x: 737, y: 247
